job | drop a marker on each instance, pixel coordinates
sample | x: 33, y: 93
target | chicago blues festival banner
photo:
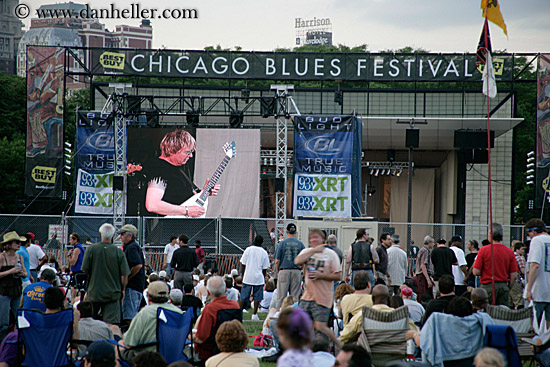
x: 95, y: 163
x: 327, y: 163
x: 44, y: 144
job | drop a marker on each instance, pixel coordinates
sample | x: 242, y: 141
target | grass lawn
x: 255, y: 328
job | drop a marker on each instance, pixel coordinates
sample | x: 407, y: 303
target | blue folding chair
x: 172, y: 331
x: 503, y: 338
x: 45, y: 337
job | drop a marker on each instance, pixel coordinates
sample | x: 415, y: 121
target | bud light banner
x: 327, y: 166
x: 94, y: 193
x: 95, y: 163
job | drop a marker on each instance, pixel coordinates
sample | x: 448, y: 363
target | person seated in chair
x: 99, y: 354
x: 447, y: 291
x: 380, y: 298
x: 143, y: 328
x: 206, y: 326
x: 353, y: 303
x: 232, y: 340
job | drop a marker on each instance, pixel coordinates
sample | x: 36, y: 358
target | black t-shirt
x: 184, y: 259
x: 443, y: 259
x: 192, y: 301
x: 437, y: 305
x: 134, y: 256
x: 470, y: 258
x: 177, y: 180
x: 382, y: 266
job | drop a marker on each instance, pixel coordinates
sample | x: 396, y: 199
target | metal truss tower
x: 282, y: 115
x: 116, y: 106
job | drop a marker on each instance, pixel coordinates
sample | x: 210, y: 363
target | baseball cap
x: 162, y: 274
x: 234, y: 272
x: 407, y: 291
x: 158, y: 289
x: 456, y: 239
x: 441, y: 241
x: 31, y: 235
x: 128, y: 228
x: 100, y: 351
x: 176, y: 295
x: 291, y: 228
x: 196, y: 277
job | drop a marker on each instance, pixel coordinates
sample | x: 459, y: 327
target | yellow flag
x: 491, y: 11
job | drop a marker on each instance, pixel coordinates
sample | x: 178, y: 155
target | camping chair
x: 172, y: 331
x: 504, y: 339
x: 223, y: 316
x: 383, y: 334
x: 522, y: 323
x: 45, y: 337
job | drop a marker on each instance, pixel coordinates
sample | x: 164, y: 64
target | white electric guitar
x: 201, y: 198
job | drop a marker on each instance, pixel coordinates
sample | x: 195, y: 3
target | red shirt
x: 505, y: 263
x: 208, y: 322
x: 200, y: 254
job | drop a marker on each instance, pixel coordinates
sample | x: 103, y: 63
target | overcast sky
x: 261, y: 25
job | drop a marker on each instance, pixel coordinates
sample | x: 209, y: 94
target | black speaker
x: 473, y: 139
x: 412, y: 139
x: 134, y: 105
x: 267, y: 106
x: 476, y: 155
x: 118, y: 183
x: 391, y: 155
x: 279, y: 185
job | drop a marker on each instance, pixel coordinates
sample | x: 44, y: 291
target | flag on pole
x: 483, y: 53
x: 491, y: 11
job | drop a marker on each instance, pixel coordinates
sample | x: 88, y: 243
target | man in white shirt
x: 254, y: 264
x: 168, y: 252
x: 37, y: 258
x: 460, y: 271
x: 397, y: 264
x: 538, y: 279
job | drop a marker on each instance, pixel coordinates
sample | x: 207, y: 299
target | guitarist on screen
x: 168, y: 181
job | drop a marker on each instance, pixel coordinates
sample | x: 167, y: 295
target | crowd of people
x: 313, y: 297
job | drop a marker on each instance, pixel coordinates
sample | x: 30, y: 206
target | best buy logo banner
x: 322, y: 195
x: 94, y: 193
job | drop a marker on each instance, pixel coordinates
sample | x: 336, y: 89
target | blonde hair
x: 288, y: 302
x: 175, y: 141
x: 489, y: 357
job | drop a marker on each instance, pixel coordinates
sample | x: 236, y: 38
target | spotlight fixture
x: 192, y: 118
x: 371, y: 172
x: 236, y: 118
x: 376, y: 174
x: 245, y: 93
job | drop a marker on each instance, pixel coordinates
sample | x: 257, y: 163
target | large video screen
x: 172, y: 172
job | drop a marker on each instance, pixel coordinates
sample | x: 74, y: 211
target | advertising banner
x: 543, y: 128
x: 44, y: 144
x: 327, y: 166
x: 296, y: 65
x: 95, y: 163
x: 94, y: 192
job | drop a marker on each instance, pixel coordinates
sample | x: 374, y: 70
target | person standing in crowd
x: 333, y: 245
x: 136, y: 278
x: 382, y: 251
x: 183, y: 261
x: 538, y: 279
x: 424, y: 268
x: 108, y: 272
x: 473, y: 247
x: 37, y: 258
x: 460, y: 271
x: 168, y: 253
x: 254, y: 264
x: 33, y: 294
x: 12, y: 270
x: 397, y: 264
x: 443, y: 259
x: 516, y: 292
x: 76, y: 255
x: 200, y: 255
x: 505, y: 267
x: 289, y: 276
x: 322, y: 270
x: 25, y: 256
x: 362, y: 255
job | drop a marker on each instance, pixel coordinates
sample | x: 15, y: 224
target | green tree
x: 12, y: 167
x: 12, y: 106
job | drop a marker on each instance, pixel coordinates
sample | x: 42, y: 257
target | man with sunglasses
x: 169, y: 181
